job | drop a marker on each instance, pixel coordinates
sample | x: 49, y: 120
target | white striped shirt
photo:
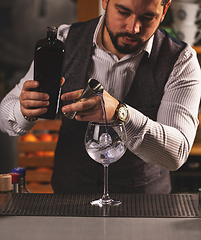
x: 165, y: 142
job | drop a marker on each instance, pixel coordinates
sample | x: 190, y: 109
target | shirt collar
x: 97, y: 38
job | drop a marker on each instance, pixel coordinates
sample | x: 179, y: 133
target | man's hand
x: 32, y: 103
x: 90, y: 109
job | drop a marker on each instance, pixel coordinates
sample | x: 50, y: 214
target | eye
x: 147, y: 18
x: 123, y: 13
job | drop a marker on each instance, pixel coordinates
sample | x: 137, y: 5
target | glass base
x: 109, y: 202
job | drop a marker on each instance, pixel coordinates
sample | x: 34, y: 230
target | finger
x: 96, y: 116
x: 71, y: 95
x: 31, y: 113
x: 62, y: 81
x: 33, y: 104
x: 90, y: 109
x: 30, y: 84
x: 31, y: 95
x: 83, y: 106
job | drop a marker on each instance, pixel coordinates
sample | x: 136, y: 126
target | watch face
x: 123, y: 113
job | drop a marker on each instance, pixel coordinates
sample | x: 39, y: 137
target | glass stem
x: 105, y: 191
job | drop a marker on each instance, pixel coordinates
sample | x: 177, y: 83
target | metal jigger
x: 91, y: 90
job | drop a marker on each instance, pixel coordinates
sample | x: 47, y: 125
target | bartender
x: 152, y: 76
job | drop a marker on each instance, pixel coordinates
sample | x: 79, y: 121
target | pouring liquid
x: 108, y: 149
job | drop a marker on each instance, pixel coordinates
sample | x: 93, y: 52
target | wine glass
x: 105, y: 143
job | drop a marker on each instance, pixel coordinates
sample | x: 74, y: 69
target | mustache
x: 135, y: 37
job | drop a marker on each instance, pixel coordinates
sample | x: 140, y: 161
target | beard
x: 125, y: 48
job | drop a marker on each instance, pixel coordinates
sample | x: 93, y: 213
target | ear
x: 104, y: 4
x: 165, y: 10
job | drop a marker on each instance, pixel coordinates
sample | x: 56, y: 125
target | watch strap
x: 31, y: 119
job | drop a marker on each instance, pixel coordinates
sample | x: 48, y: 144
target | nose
x: 133, y: 25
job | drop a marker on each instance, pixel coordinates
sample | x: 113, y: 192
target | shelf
x: 51, y: 125
x: 197, y: 48
x: 38, y: 176
x: 42, y: 188
x: 38, y: 157
x: 196, y: 149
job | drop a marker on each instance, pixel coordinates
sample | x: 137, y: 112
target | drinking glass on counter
x: 105, y: 143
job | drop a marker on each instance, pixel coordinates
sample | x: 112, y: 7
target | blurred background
x: 23, y: 22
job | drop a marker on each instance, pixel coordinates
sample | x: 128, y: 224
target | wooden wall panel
x: 87, y: 9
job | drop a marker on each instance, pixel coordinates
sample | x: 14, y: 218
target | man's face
x: 129, y: 24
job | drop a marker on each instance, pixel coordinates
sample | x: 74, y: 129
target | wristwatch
x: 31, y: 119
x: 121, y: 112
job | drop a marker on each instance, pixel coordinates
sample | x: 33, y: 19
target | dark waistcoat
x: 74, y: 171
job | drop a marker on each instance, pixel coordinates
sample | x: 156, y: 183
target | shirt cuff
x: 135, y: 129
x: 22, y: 122
x: 136, y: 120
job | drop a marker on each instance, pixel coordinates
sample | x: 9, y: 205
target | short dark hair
x: 164, y: 2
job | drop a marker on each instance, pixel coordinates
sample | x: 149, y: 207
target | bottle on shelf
x: 15, y: 182
x: 5, y: 183
x: 22, y: 172
x: 48, y: 61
